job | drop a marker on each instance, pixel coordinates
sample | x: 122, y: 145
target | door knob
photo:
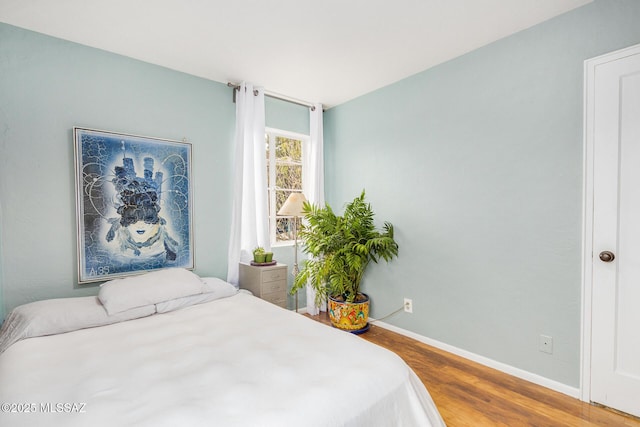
x: 607, y: 256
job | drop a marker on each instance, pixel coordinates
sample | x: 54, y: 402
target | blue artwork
x: 134, y: 204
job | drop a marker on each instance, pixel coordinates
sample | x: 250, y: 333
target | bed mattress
x: 236, y: 361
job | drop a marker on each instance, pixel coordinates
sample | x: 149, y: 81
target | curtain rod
x: 273, y: 95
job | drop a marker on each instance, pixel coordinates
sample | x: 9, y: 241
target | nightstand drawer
x: 271, y: 287
x: 273, y: 275
x: 266, y: 282
x: 276, y: 298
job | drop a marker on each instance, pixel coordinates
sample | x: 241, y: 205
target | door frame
x: 590, y: 66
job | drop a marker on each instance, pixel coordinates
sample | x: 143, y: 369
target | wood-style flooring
x: 469, y: 394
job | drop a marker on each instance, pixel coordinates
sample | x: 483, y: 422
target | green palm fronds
x: 341, y: 247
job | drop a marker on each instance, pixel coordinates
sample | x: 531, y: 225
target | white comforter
x: 237, y: 361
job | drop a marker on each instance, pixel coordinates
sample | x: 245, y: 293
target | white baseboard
x: 503, y: 367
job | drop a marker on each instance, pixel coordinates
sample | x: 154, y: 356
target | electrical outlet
x: 546, y: 344
x: 408, y: 305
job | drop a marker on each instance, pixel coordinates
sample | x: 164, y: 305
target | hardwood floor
x: 470, y: 394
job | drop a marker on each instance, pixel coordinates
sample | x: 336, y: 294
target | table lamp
x: 293, y: 207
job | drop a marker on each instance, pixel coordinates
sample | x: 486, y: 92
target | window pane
x: 284, y: 229
x: 289, y: 176
x: 286, y: 167
x: 289, y: 150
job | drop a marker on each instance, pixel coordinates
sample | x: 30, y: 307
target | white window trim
x: 306, y: 140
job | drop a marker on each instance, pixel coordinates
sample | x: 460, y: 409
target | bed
x: 214, y: 358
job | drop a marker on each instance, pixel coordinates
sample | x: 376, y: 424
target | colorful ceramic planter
x: 349, y: 316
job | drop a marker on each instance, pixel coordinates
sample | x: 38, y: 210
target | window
x: 284, y: 176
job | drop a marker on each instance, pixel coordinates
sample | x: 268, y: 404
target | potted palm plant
x: 341, y: 248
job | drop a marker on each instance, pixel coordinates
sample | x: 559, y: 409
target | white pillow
x: 150, y: 288
x: 214, y: 289
x: 57, y: 316
x: 219, y: 286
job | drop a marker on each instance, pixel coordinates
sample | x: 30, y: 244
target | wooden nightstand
x: 268, y: 283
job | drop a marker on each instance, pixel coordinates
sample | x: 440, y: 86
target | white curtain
x: 313, y: 180
x: 249, y: 222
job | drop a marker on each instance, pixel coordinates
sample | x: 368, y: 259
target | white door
x: 614, y: 121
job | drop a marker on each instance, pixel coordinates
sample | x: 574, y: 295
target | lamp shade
x: 293, y: 205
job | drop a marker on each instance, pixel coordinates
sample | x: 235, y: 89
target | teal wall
x: 2, y: 312
x: 478, y: 164
x: 47, y: 86
x: 285, y: 115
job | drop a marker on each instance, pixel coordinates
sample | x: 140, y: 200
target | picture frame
x: 134, y: 204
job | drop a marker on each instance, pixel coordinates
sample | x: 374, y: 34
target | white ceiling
x: 327, y: 51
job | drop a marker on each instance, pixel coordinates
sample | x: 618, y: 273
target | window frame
x: 271, y: 178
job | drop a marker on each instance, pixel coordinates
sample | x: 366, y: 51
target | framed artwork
x: 134, y: 204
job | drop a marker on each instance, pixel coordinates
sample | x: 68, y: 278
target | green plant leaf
x: 341, y: 248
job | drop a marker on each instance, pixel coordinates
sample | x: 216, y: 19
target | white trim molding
x: 502, y: 367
